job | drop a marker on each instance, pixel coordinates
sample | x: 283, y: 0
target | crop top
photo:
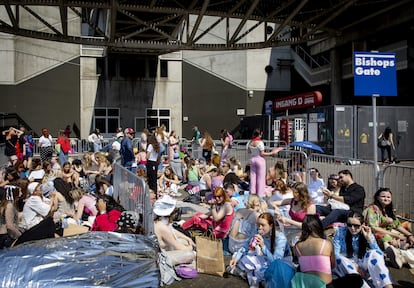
x: 298, y: 215
x: 318, y: 263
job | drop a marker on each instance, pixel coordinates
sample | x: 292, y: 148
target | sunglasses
x: 217, y: 196
x: 357, y: 226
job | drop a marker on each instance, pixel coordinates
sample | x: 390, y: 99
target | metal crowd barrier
x: 133, y: 194
x: 363, y: 171
x: 400, y: 180
x: 78, y: 146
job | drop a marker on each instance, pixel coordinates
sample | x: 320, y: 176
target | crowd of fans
x: 321, y: 233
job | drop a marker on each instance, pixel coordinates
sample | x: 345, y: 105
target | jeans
x: 388, y: 149
x: 332, y: 216
x: 97, y: 146
x: 63, y: 157
x: 196, y: 150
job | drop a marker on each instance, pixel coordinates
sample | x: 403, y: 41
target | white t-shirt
x: 256, y: 150
x: 34, y: 211
x: 277, y: 196
x: 315, y: 191
x: 153, y: 156
x: 45, y: 141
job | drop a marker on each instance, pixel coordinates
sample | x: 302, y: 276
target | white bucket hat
x: 164, y: 206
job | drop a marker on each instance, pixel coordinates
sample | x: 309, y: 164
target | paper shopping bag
x: 210, y: 258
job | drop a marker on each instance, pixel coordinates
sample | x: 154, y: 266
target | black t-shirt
x: 10, y: 148
x: 354, y: 196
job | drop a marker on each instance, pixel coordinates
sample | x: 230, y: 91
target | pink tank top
x: 297, y: 215
x: 222, y: 228
x: 318, y: 263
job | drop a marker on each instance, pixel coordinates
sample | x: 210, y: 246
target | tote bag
x: 210, y: 258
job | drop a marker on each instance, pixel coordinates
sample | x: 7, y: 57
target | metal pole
x: 377, y: 171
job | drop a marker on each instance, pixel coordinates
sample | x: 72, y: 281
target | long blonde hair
x: 87, y: 157
x: 76, y: 193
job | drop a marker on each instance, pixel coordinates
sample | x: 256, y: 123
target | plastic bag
x: 335, y: 204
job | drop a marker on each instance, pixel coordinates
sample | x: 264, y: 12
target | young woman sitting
x: 218, y: 219
x: 263, y: 248
x: 357, y: 252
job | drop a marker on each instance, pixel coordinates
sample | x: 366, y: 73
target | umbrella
x: 307, y: 144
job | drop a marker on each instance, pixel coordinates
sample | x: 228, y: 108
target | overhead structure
x: 159, y: 26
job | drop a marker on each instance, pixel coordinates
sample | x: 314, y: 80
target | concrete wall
x: 88, y: 88
x: 22, y: 58
x: 39, y: 80
x: 48, y: 100
x: 209, y: 102
x: 245, y: 69
x: 168, y: 90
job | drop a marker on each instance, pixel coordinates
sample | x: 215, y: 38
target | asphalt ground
x: 403, y: 278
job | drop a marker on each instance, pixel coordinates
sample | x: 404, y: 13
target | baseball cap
x: 129, y: 131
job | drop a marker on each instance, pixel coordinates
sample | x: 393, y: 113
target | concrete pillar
x: 88, y: 87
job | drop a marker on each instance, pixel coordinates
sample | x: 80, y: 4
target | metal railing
x: 363, y: 171
x: 133, y: 194
x: 400, y: 180
x: 317, y: 61
x: 78, y: 146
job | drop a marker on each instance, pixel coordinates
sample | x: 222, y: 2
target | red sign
x: 284, y: 130
x: 298, y: 101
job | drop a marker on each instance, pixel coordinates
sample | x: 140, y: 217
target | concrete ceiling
x: 160, y: 26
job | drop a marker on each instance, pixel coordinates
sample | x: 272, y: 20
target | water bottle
x: 64, y: 221
x: 253, y: 243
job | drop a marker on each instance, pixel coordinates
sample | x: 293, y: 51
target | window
x: 157, y: 117
x: 106, y: 120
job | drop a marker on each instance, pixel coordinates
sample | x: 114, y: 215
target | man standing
x: 351, y: 194
x: 127, y: 151
x: 196, y: 142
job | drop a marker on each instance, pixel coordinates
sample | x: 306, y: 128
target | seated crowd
x: 324, y: 233
x: 314, y: 233
x: 46, y: 198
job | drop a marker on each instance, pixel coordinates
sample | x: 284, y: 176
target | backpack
x: 279, y: 274
x: 193, y: 198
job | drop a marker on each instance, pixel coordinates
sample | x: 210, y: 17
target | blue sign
x: 375, y: 74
